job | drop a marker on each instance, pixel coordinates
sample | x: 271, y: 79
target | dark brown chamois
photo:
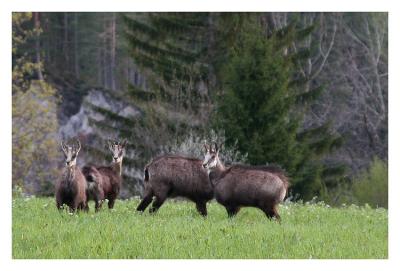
x: 171, y: 176
x: 94, y: 186
x: 238, y: 186
x: 111, y: 176
x: 71, y: 186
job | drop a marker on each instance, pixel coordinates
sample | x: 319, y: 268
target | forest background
x: 306, y: 91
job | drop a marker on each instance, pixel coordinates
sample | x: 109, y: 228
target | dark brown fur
x: 111, y: 178
x: 110, y: 182
x: 71, y: 189
x: 94, y: 186
x: 172, y: 176
x: 238, y: 186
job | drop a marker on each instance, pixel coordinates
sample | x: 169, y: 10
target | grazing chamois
x: 107, y: 180
x: 172, y: 176
x: 238, y: 186
x: 71, y: 186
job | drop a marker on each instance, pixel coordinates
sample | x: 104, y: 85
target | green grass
x: 177, y: 231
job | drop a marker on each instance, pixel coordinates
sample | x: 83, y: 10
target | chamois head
x: 211, y: 156
x: 71, y: 152
x: 117, y: 149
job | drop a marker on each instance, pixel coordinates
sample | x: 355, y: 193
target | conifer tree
x: 259, y: 107
x: 259, y: 101
x: 167, y: 48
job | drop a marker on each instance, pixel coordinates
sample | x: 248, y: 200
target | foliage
x: 34, y: 145
x: 326, y: 78
x: 306, y: 231
x: 161, y: 45
x: 355, y: 76
x: 193, y: 146
x: 255, y: 102
x: 169, y: 46
x: 17, y: 192
x: 258, y: 108
x: 34, y: 120
x: 258, y: 98
x: 22, y: 36
x: 371, y: 186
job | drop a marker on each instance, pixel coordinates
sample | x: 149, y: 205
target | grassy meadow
x: 39, y: 231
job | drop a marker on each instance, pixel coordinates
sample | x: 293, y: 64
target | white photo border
x: 9, y: 6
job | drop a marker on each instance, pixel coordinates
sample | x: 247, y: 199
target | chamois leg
x: 232, y: 210
x: 201, y: 207
x: 99, y: 199
x: 157, y: 203
x: 97, y: 205
x: 84, y: 207
x: 111, y: 203
x: 80, y: 205
x: 72, y: 208
x: 271, y: 213
x: 147, y: 199
x: 276, y: 215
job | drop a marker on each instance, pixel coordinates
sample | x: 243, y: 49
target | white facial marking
x: 213, y: 164
x: 117, y: 153
x: 71, y: 157
x: 210, y: 161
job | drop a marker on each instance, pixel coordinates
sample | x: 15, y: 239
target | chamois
x: 94, y: 186
x: 172, y: 176
x: 71, y: 186
x: 238, y: 186
x: 107, y: 180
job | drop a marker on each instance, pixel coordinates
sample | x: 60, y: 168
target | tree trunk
x: 113, y: 51
x: 104, y: 53
x: 76, y: 54
x: 65, y: 43
x: 36, y: 19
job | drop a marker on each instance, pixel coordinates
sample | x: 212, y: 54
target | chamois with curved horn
x: 106, y: 180
x: 71, y: 186
x: 239, y: 186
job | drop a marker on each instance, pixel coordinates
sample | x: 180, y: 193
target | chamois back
x: 172, y: 176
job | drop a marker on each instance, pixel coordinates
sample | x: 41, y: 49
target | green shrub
x: 371, y: 187
x: 192, y: 145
